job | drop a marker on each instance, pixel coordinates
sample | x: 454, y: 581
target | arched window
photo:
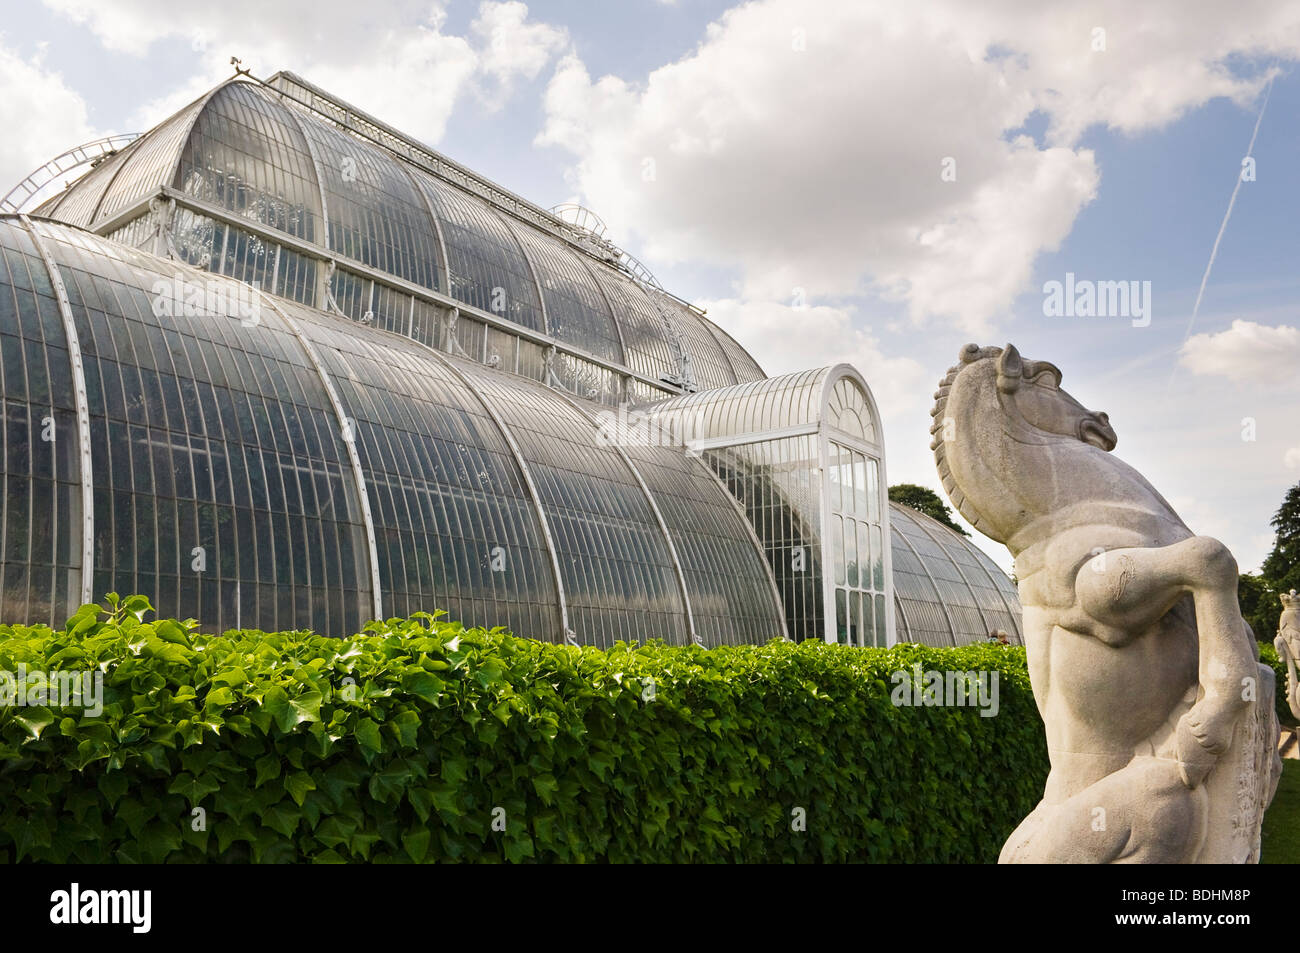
x: 850, y: 412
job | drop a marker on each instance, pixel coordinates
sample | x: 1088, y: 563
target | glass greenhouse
x: 278, y: 365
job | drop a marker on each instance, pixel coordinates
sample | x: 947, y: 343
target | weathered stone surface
x: 1159, y: 716
x: 1287, y: 644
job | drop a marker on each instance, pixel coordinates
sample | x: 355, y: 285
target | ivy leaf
x: 424, y: 685
x: 298, y: 784
x: 275, y: 704
x: 367, y: 732
x: 416, y: 844
x: 34, y: 720
x: 545, y: 785
x: 170, y: 631
x: 406, y: 726
x: 191, y: 788
x: 267, y: 769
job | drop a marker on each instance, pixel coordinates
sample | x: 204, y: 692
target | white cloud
x: 801, y: 143
x: 783, y: 339
x: 40, y: 116
x: 393, y: 60
x: 1291, y: 459
x: 511, y: 47
x: 1246, y: 353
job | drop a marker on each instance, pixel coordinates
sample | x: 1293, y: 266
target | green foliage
x: 1268, y: 655
x: 1259, y: 605
x: 1279, y: 573
x: 407, y: 742
x: 924, y: 500
x: 1281, y: 568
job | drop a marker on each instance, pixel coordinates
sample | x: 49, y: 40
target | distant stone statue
x: 1287, y: 644
x: 1159, y: 716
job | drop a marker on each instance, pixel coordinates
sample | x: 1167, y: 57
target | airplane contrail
x: 1223, y: 226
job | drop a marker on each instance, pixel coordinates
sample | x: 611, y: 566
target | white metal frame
x: 325, y: 258
x: 77, y: 156
x: 871, y: 451
x: 82, y: 405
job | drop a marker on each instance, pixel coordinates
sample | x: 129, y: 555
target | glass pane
x: 851, y: 551
x: 861, y: 486
x: 833, y: 471
x: 856, y: 636
x: 841, y: 617
x: 837, y: 542
x: 864, y: 556
x: 877, y: 561
x: 873, y: 491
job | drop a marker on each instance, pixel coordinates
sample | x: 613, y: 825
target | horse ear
x: 1010, y: 369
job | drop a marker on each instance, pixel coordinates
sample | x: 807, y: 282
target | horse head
x: 1003, y: 427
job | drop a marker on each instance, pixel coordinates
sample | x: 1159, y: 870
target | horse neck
x: 978, y: 470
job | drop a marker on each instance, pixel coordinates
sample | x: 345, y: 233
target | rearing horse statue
x: 1159, y: 717
x: 1287, y: 644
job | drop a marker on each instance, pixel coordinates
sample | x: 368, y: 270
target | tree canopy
x: 924, y: 500
x: 1279, y: 573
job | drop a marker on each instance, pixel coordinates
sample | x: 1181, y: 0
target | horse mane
x: 970, y: 354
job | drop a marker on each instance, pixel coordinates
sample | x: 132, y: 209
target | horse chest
x: 1079, y: 679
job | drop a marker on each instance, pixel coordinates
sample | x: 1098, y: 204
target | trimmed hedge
x: 419, y: 740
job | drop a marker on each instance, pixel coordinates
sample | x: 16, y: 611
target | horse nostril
x: 1103, y: 417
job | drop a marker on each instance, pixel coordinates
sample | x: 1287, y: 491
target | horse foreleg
x: 1126, y: 590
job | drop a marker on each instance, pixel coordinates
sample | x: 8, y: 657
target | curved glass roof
x: 375, y: 214
x: 143, y: 167
x: 577, y: 310
x: 358, y: 447
x: 742, y: 363
x: 645, y: 335
x: 946, y: 590
x: 774, y: 405
x: 488, y: 495
x: 226, y: 146
x: 248, y: 150
x: 485, y: 265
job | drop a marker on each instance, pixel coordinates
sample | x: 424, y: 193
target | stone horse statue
x: 1287, y: 644
x: 1160, y: 724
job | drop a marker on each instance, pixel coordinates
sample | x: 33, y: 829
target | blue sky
x: 797, y: 193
